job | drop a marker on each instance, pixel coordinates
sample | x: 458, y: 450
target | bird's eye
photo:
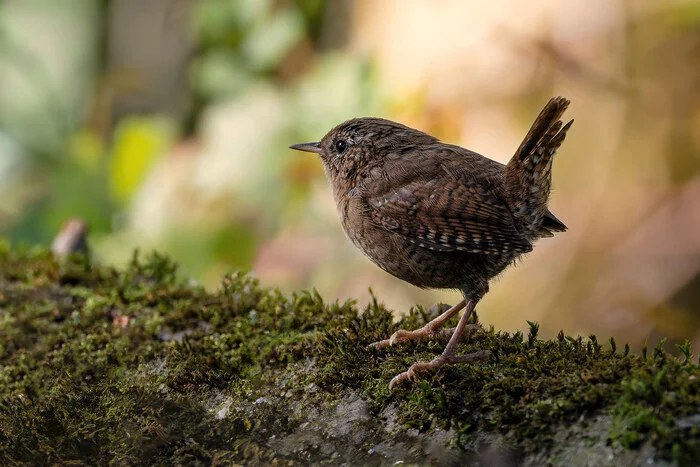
x: 341, y: 146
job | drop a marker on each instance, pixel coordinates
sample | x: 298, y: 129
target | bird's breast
x: 353, y: 213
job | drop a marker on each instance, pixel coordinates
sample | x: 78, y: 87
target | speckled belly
x: 422, y: 267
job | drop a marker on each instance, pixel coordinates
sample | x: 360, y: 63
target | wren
x: 438, y: 215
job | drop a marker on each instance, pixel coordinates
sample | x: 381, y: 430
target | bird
x: 437, y: 215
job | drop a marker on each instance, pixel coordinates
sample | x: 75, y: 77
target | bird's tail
x: 529, y: 172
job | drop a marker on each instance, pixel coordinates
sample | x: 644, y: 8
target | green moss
x: 134, y: 366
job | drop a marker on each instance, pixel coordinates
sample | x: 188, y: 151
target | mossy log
x: 138, y: 367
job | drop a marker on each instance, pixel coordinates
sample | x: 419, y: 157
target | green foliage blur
x: 81, y: 151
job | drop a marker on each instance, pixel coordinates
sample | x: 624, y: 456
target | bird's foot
x: 403, y: 335
x: 426, y: 331
x: 439, y: 362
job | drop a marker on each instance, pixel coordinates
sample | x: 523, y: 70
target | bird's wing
x: 454, y: 215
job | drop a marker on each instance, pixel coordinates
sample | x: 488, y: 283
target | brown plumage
x: 438, y: 215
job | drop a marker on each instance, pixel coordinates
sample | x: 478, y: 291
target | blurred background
x: 164, y: 124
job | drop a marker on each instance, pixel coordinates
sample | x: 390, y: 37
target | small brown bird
x: 438, y: 215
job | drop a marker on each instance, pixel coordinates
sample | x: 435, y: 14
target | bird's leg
x: 469, y: 328
x: 449, y: 355
x: 429, y: 330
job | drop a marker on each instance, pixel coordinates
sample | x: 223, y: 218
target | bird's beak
x: 308, y: 147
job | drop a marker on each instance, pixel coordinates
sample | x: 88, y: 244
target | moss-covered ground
x: 130, y: 367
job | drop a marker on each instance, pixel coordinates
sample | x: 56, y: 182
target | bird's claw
x: 398, y: 379
x: 411, y: 372
x: 437, y: 363
x: 402, y: 335
x: 380, y: 344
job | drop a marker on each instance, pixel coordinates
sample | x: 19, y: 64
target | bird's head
x: 361, y: 144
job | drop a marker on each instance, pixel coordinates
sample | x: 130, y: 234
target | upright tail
x: 528, y: 175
